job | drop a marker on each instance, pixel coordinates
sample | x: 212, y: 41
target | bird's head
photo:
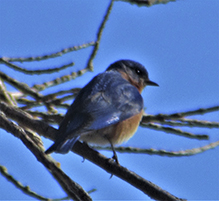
x: 133, y: 72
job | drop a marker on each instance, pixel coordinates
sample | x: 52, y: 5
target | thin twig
x: 162, y: 117
x: 59, y: 80
x: 49, y: 56
x: 33, y: 72
x: 161, y: 152
x: 99, y: 34
x: 63, y: 92
x: 192, y: 123
x: 49, y: 118
x: 21, y: 86
x: 7, y: 97
x: 147, y: 2
x: 24, y: 189
x: 175, y: 131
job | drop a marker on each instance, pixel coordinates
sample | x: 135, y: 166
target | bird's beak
x: 151, y: 83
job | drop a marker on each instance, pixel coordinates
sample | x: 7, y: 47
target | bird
x: 106, y: 111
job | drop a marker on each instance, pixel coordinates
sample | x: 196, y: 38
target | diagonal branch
x: 99, y: 34
x: 24, y: 189
x: 85, y: 151
x: 20, y: 86
x: 74, y: 190
x: 49, y: 56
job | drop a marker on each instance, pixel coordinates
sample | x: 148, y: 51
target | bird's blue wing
x: 114, y: 105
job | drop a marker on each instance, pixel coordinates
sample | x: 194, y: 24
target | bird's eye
x: 138, y: 71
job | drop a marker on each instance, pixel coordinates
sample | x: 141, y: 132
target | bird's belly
x: 126, y: 129
x: 117, y: 133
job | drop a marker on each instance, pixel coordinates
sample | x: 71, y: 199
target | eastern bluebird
x: 107, y: 110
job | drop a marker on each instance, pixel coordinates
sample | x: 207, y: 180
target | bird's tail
x: 62, y: 147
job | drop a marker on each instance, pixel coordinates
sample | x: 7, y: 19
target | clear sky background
x: 179, y: 45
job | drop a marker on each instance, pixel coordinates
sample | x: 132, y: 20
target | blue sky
x: 179, y: 45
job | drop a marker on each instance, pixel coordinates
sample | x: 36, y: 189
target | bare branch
x: 175, y: 131
x: 99, y: 34
x: 85, y: 151
x: 74, y: 190
x: 24, y: 189
x: 5, y: 95
x: 32, y: 72
x: 162, y: 117
x: 21, y: 86
x: 59, y: 80
x: 161, y: 152
x: 49, y: 56
x: 147, y: 2
x: 192, y: 123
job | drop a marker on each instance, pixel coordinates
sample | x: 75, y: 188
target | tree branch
x: 18, y: 184
x: 85, y: 151
x: 74, y: 190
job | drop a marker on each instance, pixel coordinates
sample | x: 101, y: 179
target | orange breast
x: 126, y: 129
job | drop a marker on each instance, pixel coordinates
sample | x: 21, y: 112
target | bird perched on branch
x: 107, y: 110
